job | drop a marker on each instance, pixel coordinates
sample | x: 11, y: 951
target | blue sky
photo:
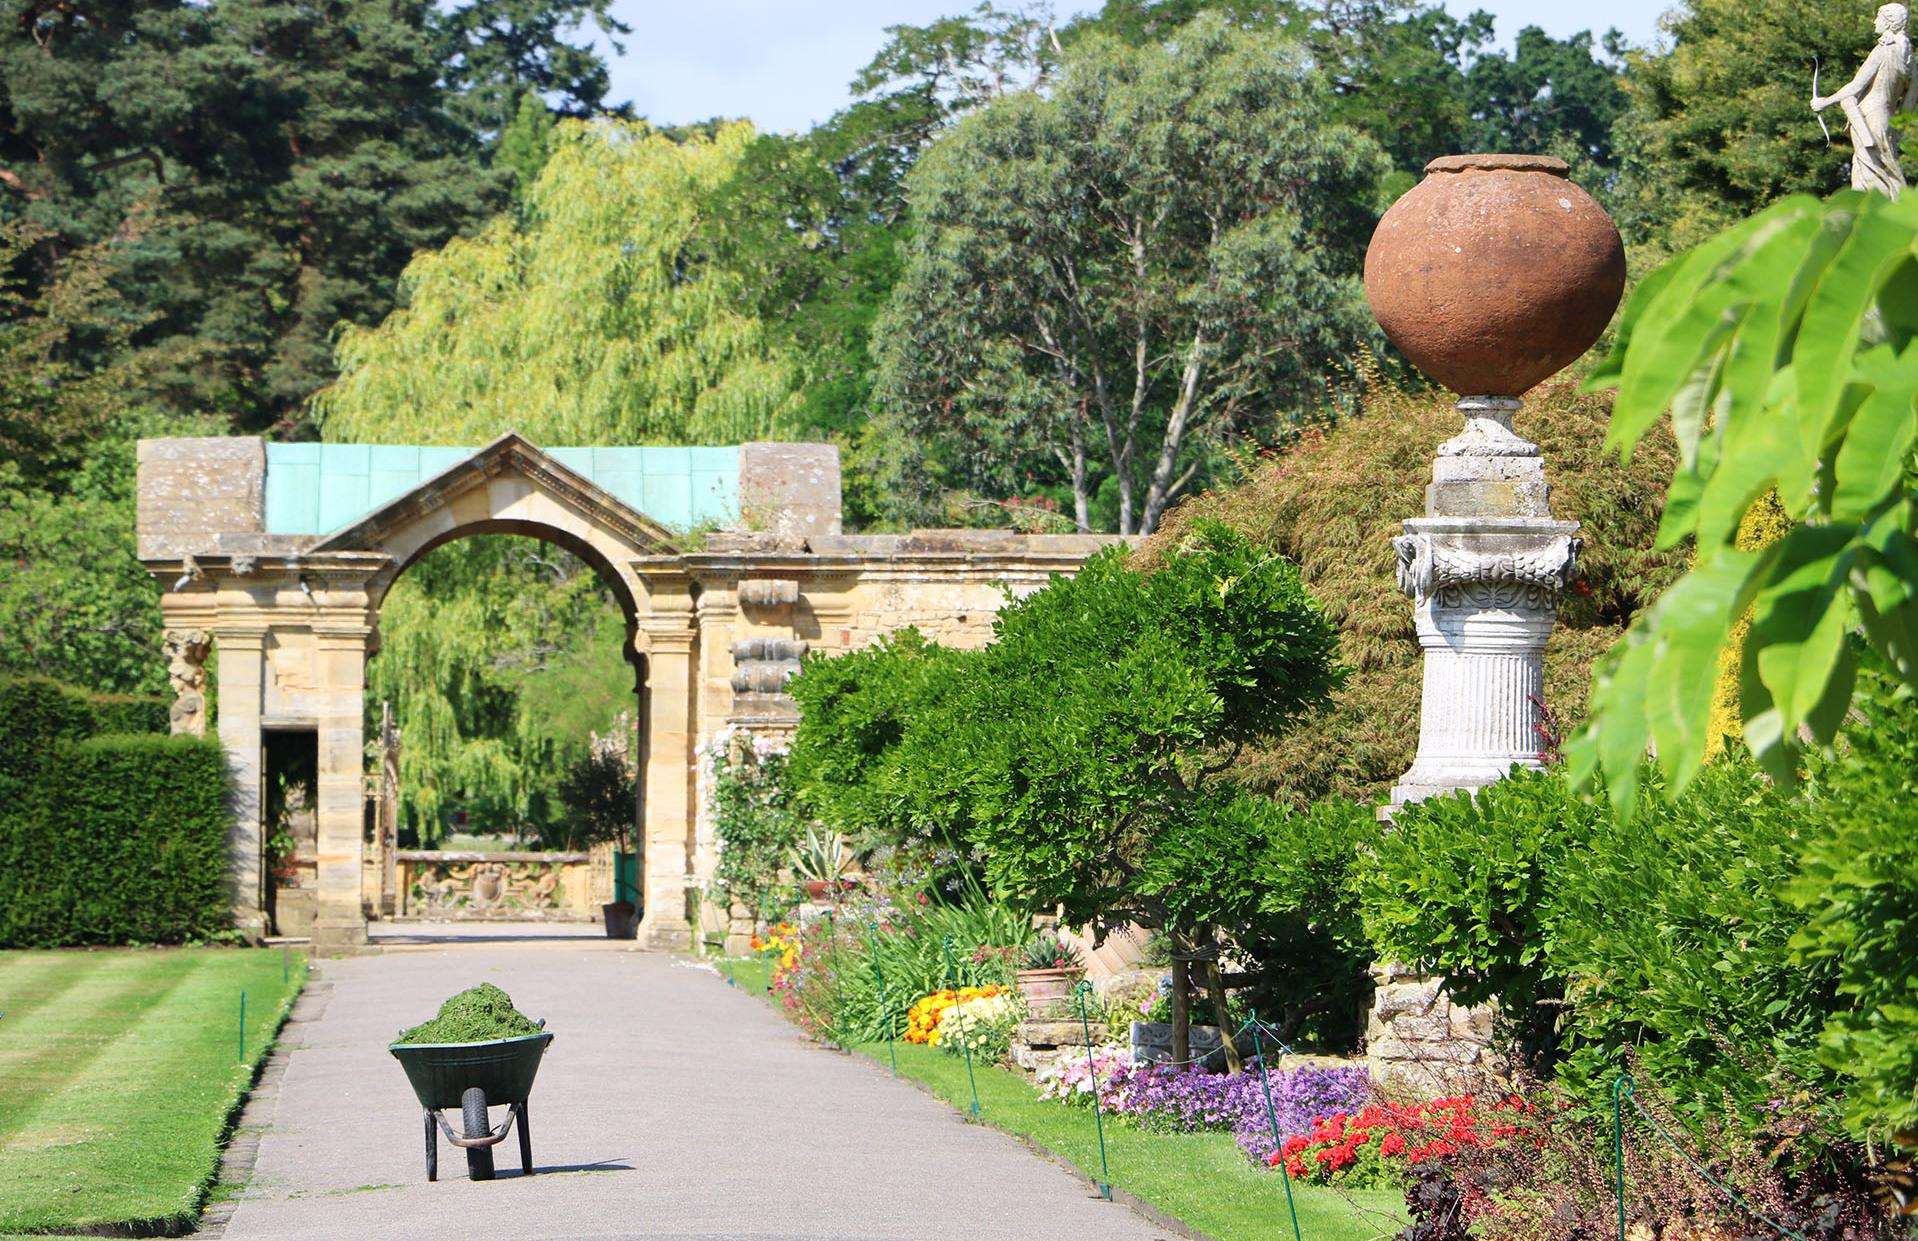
x: 785, y: 63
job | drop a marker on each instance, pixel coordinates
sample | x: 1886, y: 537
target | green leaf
x: 1874, y: 456
x: 1687, y: 628
x: 1880, y: 240
x: 1801, y: 617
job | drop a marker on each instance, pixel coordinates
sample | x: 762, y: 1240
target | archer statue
x: 1883, y: 87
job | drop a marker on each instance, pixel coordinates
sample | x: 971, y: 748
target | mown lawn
x: 118, y: 1072
x: 1200, y: 1178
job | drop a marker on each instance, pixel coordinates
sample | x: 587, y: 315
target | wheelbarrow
x: 472, y: 1077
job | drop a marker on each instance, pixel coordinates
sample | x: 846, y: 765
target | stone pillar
x: 186, y: 652
x: 242, y: 663
x: 1486, y: 568
x: 339, y: 667
x: 668, y: 777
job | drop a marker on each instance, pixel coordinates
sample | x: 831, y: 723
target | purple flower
x: 1190, y: 1100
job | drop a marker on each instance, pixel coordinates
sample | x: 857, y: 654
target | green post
x: 286, y: 964
x: 885, y: 999
x: 1272, y: 1119
x: 1092, y: 1069
x: 242, y: 1027
x: 1620, y: 1088
x: 971, y: 1081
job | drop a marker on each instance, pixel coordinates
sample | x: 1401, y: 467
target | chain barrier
x: 885, y: 999
x: 1624, y: 1091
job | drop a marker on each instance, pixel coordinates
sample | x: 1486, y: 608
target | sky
x: 785, y: 63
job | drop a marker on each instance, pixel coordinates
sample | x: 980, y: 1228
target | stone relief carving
x: 452, y: 887
x: 186, y: 652
x: 1452, y: 577
x: 1883, y: 87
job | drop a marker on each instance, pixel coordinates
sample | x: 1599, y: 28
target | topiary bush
x: 1332, y: 503
x: 106, y: 836
x: 125, y: 843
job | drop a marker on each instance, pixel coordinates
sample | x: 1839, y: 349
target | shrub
x: 1858, y: 888
x: 754, y: 819
x: 907, y: 950
x: 131, y: 713
x: 36, y: 715
x: 129, y: 846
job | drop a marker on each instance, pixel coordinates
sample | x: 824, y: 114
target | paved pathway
x: 668, y: 1106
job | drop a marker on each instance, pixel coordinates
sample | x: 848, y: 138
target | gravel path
x: 669, y: 1105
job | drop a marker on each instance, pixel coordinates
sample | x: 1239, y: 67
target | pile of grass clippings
x: 475, y: 1015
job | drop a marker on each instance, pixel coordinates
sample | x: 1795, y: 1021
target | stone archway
x: 728, y: 562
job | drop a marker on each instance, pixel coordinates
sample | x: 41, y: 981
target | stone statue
x: 186, y: 652
x: 1884, y: 87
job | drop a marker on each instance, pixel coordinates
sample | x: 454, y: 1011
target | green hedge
x: 106, y: 837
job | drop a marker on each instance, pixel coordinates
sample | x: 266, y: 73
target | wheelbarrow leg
x: 432, y: 1148
x: 525, y: 1144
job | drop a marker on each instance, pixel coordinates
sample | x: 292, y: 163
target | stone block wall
x: 1418, y: 1041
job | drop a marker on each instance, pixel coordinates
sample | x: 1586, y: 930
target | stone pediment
x: 509, y: 456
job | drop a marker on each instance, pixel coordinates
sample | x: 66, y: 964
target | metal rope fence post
x: 1272, y: 1119
x: 885, y: 998
x: 964, y: 1045
x: 1620, y: 1088
x: 242, y: 1027
x: 1092, y: 1069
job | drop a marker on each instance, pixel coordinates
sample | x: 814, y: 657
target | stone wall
x: 1418, y: 1041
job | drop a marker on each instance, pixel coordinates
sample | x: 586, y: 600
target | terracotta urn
x: 1494, y: 272
x: 1046, y: 990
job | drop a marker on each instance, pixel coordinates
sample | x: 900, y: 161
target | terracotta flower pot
x: 1494, y: 272
x: 1046, y: 990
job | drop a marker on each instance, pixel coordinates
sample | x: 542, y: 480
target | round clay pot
x: 1046, y: 990
x: 1494, y: 272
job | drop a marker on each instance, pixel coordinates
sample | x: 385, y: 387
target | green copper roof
x: 320, y: 488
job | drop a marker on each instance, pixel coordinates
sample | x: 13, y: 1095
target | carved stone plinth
x: 1485, y: 568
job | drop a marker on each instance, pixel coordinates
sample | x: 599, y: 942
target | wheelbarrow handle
x: 493, y: 1138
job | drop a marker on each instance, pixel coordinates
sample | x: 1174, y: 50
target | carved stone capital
x: 1449, y: 573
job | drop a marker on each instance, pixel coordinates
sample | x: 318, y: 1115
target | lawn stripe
x: 134, y: 1142
x: 97, y: 1012
x: 30, y: 981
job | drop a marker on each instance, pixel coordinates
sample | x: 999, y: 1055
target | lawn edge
x: 1150, y: 1212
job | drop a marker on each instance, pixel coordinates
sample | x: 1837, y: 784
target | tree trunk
x: 1215, y: 988
x: 1181, y: 1009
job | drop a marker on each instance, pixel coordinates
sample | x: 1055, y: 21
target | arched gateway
x: 278, y: 556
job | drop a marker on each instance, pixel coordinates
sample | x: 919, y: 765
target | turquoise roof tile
x: 316, y: 489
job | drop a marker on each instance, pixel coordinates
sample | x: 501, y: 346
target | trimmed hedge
x: 106, y: 838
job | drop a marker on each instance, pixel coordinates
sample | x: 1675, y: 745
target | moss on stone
x: 475, y: 1015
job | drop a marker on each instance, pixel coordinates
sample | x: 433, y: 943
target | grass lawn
x: 1200, y: 1178
x: 119, y: 1070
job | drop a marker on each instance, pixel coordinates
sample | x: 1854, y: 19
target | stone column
x: 242, y: 664
x: 339, y: 667
x: 668, y: 776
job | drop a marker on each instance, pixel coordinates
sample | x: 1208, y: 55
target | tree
x: 600, y: 317
x: 1090, y: 734
x: 1118, y: 278
x: 1786, y: 351
x: 1718, y: 126
x: 499, y: 52
x: 252, y: 173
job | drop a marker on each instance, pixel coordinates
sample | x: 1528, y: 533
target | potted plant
x: 820, y: 864
x: 1048, y: 968
x: 598, y: 790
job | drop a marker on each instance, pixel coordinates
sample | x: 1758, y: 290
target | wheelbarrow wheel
x: 479, y: 1159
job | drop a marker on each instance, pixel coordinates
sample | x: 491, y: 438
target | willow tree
x: 604, y: 310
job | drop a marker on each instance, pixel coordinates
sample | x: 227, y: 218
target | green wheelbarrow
x: 472, y: 1077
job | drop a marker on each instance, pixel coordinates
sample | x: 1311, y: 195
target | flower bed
x: 1190, y: 1100
x: 924, y: 1017
x: 1374, y: 1146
